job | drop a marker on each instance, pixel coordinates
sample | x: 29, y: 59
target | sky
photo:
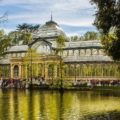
x: 75, y: 17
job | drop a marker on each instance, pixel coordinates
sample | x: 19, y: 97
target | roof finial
x: 51, y: 16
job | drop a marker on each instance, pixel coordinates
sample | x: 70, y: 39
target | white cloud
x: 65, y: 12
x: 71, y: 5
x: 55, y: 3
x: 76, y: 22
x: 13, y: 2
x: 42, y: 18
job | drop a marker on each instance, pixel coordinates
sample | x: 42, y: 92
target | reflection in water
x: 53, y: 105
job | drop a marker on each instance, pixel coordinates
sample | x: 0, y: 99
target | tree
x: 60, y: 45
x: 26, y: 37
x: 5, y: 41
x: 28, y: 61
x: 27, y: 27
x: 74, y: 38
x: 24, y: 27
x: 108, y: 23
x: 90, y: 35
x: 20, y: 37
x: 15, y: 37
x: 25, y: 32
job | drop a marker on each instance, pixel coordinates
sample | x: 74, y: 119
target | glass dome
x: 49, y: 29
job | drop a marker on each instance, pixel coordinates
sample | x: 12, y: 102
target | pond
x: 53, y: 105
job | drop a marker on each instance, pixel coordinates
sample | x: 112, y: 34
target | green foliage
x: 20, y: 36
x: 28, y: 61
x: 26, y: 37
x: 60, y: 44
x: 112, y: 45
x: 90, y: 35
x: 60, y: 41
x: 5, y: 41
x: 107, y: 21
x: 30, y: 55
x: 1, y: 33
x: 75, y: 38
x: 26, y: 31
x: 105, y: 14
x: 23, y: 34
x: 27, y: 27
x: 14, y: 36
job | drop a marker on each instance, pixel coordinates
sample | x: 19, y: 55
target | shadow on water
x: 56, y: 105
x: 112, y: 115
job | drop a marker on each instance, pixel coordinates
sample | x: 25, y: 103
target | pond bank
x: 90, y: 88
x: 60, y: 85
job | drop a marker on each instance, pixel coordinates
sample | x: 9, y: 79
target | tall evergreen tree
x: 27, y: 27
x: 108, y: 23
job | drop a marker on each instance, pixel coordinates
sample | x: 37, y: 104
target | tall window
x: 16, y: 71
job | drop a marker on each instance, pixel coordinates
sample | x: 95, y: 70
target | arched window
x: 16, y: 71
x: 50, y: 70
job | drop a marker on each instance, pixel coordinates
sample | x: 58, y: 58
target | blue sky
x: 74, y: 16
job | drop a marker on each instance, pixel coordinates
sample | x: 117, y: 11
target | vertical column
x: 83, y: 69
x: 46, y: 71
x: 91, y: 52
x: 90, y: 70
x: 55, y: 71
x: 11, y: 70
x: 80, y: 67
x: 42, y: 69
x: 20, y: 71
x: 101, y: 69
x: 94, y: 69
x: 85, y: 52
x: 75, y: 71
x: 67, y: 52
x: 72, y: 52
x: 26, y: 71
x: 79, y: 52
x: 37, y: 65
x: 106, y: 71
x: 113, y: 70
x: 97, y: 51
x: 109, y: 66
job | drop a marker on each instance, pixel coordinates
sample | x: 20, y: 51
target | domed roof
x: 49, y: 29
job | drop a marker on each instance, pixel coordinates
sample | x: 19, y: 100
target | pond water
x: 53, y: 105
